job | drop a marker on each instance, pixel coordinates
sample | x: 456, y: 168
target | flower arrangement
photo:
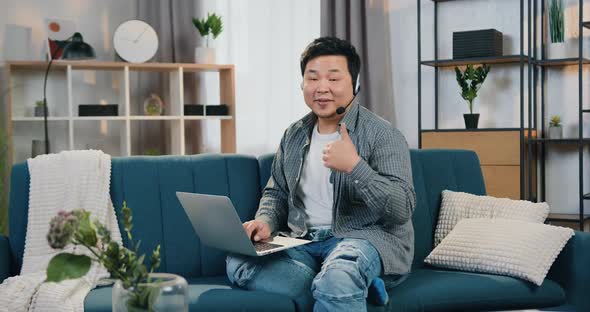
x: 75, y: 227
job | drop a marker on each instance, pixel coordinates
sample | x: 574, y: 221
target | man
x: 341, y: 178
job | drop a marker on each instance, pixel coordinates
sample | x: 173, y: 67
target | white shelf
x: 40, y: 118
x: 154, y: 117
x: 207, y: 117
x: 99, y: 118
x: 68, y: 86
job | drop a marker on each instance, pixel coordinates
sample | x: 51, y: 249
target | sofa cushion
x: 434, y: 171
x: 459, y: 205
x: 207, y: 294
x: 501, y: 246
x: 429, y: 289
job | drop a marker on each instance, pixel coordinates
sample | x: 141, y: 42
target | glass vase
x: 162, y: 292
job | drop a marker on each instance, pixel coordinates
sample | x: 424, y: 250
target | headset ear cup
x: 357, y: 86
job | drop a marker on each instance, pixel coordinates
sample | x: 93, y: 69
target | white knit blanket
x: 65, y: 181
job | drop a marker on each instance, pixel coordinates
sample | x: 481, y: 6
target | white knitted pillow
x: 500, y: 246
x: 458, y: 205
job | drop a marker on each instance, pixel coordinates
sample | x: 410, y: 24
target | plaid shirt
x: 374, y: 202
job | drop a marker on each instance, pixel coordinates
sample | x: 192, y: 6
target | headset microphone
x: 340, y: 110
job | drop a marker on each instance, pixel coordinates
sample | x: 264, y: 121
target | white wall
x: 264, y: 39
x: 96, y: 20
x: 498, y: 99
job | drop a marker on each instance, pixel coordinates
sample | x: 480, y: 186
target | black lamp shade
x: 77, y: 49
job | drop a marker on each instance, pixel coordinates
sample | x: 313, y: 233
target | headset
x: 357, y: 88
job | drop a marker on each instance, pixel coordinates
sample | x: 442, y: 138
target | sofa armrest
x: 572, y: 272
x: 5, y: 258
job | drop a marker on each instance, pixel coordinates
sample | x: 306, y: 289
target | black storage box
x: 212, y: 110
x: 477, y: 43
x: 85, y: 110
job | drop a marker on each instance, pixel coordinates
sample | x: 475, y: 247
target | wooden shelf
x: 207, y: 117
x: 140, y: 117
x: 566, y: 217
x: 534, y: 131
x: 40, y: 118
x: 562, y: 62
x: 561, y: 141
x: 100, y: 65
x: 469, y: 130
x: 37, y: 119
x: 506, y: 59
x: 119, y: 137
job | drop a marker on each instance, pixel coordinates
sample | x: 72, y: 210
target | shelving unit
x: 525, y: 179
x: 580, y: 142
x: 69, y: 131
x: 536, y: 146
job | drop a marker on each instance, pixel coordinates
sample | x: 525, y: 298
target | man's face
x: 327, y: 85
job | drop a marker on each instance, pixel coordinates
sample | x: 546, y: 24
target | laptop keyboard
x: 261, y: 246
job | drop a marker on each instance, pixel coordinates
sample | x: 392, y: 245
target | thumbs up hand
x: 341, y: 154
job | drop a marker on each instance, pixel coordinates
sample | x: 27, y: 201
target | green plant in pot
x: 555, y: 128
x: 470, y: 81
x: 556, y: 20
x: 207, y: 27
x: 137, y: 287
x: 39, y: 107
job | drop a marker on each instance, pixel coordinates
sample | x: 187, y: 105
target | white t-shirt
x: 315, y: 189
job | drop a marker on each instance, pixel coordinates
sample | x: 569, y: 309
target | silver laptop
x: 217, y: 224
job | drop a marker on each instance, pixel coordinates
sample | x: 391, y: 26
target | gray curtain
x: 366, y: 25
x: 172, y: 21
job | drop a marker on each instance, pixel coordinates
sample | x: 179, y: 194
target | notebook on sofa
x: 217, y: 224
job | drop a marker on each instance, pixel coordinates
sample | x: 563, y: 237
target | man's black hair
x: 333, y: 46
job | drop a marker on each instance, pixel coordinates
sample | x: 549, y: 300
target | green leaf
x: 201, y: 26
x: 86, y: 232
x: 216, y: 24
x: 67, y: 266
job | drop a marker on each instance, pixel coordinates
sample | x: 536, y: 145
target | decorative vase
x: 471, y: 120
x: 204, y: 55
x: 163, y: 292
x: 153, y: 105
x: 555, y: 132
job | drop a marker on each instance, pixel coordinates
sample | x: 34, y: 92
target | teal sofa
x: 148, y: 184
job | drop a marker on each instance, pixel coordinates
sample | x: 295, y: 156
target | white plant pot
x: 204, y: 55
x: 555, y: 132
x: 557, y: 50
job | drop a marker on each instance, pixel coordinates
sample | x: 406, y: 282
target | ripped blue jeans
x: 330, y: 275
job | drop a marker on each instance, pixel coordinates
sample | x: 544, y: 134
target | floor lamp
x: 73, y: 48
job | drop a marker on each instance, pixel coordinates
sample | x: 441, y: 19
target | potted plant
x: 555, y: 16
x: 470, y: 82
x: 39, y: 107
x: 207, y: 27
x: 137, y: 288
x: 555, y: 129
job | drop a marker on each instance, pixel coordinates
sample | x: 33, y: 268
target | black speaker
x: 98, y: 110
x: 212, y: 110
x: 477, y: 43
